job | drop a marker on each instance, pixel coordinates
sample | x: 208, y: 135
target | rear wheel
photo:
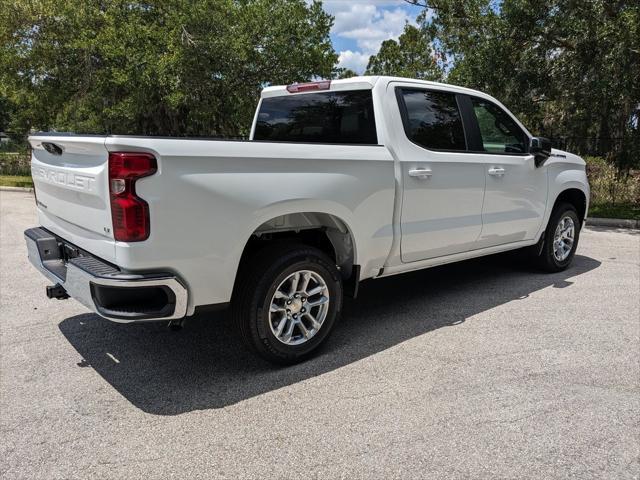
x: 287, y: 302
x: 560, y: 239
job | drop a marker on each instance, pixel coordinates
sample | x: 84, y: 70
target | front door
x: 516, y: 190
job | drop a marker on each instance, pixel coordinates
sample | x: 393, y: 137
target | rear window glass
x: 328, y: 117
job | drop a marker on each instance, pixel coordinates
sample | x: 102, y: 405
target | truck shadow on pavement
x: 205, y: 366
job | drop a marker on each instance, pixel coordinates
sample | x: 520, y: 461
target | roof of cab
x: 365, y: 83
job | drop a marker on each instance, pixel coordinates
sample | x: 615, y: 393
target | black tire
x: 544, y: 257
x: 256, y: 287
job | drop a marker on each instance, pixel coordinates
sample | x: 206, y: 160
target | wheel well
x: 320, y: 230
x: 576, y: 198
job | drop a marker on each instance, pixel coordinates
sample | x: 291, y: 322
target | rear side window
x: 432, y: 119
x: 328, y: 117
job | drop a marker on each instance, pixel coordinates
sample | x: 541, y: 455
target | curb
x: 613, y: 222
x: 16, y: 189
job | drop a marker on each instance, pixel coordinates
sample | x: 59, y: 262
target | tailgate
x: 71, y: 179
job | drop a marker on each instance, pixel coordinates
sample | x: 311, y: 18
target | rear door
x: 443, y: 185
x: 516, y: 190
x: 71, y: 179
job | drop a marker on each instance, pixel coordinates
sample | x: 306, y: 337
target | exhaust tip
x: 57, y: 291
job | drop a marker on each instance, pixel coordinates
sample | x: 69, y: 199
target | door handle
x: 420, y: 173
x: 497, y: 171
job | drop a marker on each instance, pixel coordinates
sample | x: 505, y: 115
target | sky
x: 361, y: 26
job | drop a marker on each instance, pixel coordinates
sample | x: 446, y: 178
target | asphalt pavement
x: 483, y: 369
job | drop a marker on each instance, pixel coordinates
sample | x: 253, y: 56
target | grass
x: 16, y: 181
x: 627, y: 211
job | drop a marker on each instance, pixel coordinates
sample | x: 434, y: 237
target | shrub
x: 15, y: 163
x: 610, y: 186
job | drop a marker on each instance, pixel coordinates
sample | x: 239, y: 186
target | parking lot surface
x: 483, y: 369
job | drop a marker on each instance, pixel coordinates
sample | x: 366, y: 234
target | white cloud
x: 356, y: 61
x: 353, y: 17
x: 368, y: 24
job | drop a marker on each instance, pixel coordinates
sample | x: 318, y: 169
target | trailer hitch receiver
x: 57, y: 291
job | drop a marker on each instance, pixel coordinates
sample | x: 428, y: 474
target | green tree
x: 411, y: 56
x: 568, y: 68
x: 170, y: 67
x: 341, y: 72
x: 6, y: 112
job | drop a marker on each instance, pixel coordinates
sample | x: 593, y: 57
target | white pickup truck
x: 340, y: 181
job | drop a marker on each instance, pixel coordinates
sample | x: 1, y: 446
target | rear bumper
x: 103, y: 288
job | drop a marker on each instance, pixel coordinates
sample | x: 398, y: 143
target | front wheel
x: 560, y: 239
x: 287, y: 302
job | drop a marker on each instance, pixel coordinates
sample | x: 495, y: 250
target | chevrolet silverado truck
x: 340, y: 181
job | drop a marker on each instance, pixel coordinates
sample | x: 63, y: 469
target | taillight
x: 309, y: 86
x: 129, y: 212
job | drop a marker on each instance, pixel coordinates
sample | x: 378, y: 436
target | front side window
x: 328, y: 117
x: 432, y: 119
x: 500, y: 134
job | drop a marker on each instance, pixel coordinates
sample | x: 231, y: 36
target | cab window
x: 432, y: 119
x: 328, y: 117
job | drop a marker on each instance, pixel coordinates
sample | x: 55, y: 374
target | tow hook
x: 57, y: 291
x: 176, y: 325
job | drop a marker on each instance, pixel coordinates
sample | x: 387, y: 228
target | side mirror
x: 540, y: 147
